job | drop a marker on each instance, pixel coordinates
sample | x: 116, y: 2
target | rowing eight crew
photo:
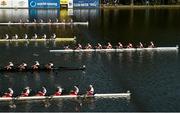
x: 109, y: 46
x: 35, y: 66
x: 58, y: 92
x: 26, y: 36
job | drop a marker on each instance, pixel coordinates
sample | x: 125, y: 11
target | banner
x: 64, y: 1
x: 44, y: 3
x: 86, y: 3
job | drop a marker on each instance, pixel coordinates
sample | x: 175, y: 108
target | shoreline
x: 138, y: 6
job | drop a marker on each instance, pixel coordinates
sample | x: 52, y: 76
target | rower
x: 99, y: 46
x: 66, y: 47
x: 25, y: 36
x: 23, y: 66
x: 25, y: 92
x: 79, y: 46
x: 90, y: 90
x: 130, y: 45
x: 9, y: 66
x: 151, y: 45
x: 109, y: 46
x: 49, y: 65
x: 27, y: 20
x: 16, y: 36
x: 120, y: 46
x: 54, y: 36
x: 42, y: 92
x: 58, y: 91
x: 141, y: 45
x: 20, y: 21
x: 7, y: 36
x: 49, y: 20
x: 88, y: 46
x: 36, y: 65
x: 9, y: 93
x: 34, y: 20
x: 57, y: 20
x: 75, y: 91
x: 44, y: 36
x: 35, y: 36
x: 41, y: 20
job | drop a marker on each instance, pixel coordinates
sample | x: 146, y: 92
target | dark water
x: 151, y: 76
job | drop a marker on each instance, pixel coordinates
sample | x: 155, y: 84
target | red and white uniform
x: 152, y: 44
x: 79, y: 46
x: 90, y: 90
x: 9, y: 93
x: 141, y: 45
x: 120, y: 45
x: 129, y: 45
x: 26, y: 92
x: 42, y: 93
x: 88, y: 46
x: 99, y: 46
x: 109, y: 46
x: 75, y: 91
x: 58, y: 91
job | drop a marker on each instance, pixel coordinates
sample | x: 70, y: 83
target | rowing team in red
x: 109, y: 46
x: 35, y: 66
x: 43, y: 92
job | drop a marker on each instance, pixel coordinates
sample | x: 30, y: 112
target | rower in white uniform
x: 120, y: 46
x: 141, y: 45
x: 88, y: 46
x: 54, y: 36
x: 42, y: 92
x: 99, y: 46
x: 57, y: 20
x: 109, y: 46
x: 58, y: 91
x: 9, y: 66
x: 151, y: 45
x: 75, y: 91
x: 50, y: 65
x: 36, y: 65
x: 25, y: 36
x: 35, y: 36
x: 41, y: 20
x: 22, y: 66
x: 34, y: 20
x: 6, y: 36
x: 129, y: 45
x: 90, y: 90
x: 25, y: 92
x: 44, y: 36
x: 9, y: 93
x: 79, y: 46
x: 16, y: 36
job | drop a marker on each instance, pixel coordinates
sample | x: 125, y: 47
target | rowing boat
x: 47, y: 23
x: 117, y: 50
x: 43, y: 69
x: 112, y: 95
x: 37, y: 40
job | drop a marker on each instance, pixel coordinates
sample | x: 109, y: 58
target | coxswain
x: 130, y: 45
x: 120, y: 46
x: 25, y: 36
x: 151, y: 45
x: 58, y: 91
x: 109, y: 46
x: 49, y: 65
x: 141, y: 45
x: 42, y: 92
x: 99, y: 46
x: 88, y: 46
x: 9, y: 66
x: 90, y: 90
x: 7, y: 36
x: 44, y: 36
x: 22, y: 66
x: 75, y: 91
x: 25, y: 92
x: 36, y: 65
x: 16, y: 36
x: 9, y: 93
x: 79, y: 46
x: 35, y: 36
x: 54, y: 36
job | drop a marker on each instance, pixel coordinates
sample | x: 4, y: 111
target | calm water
x: 151, y: 76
